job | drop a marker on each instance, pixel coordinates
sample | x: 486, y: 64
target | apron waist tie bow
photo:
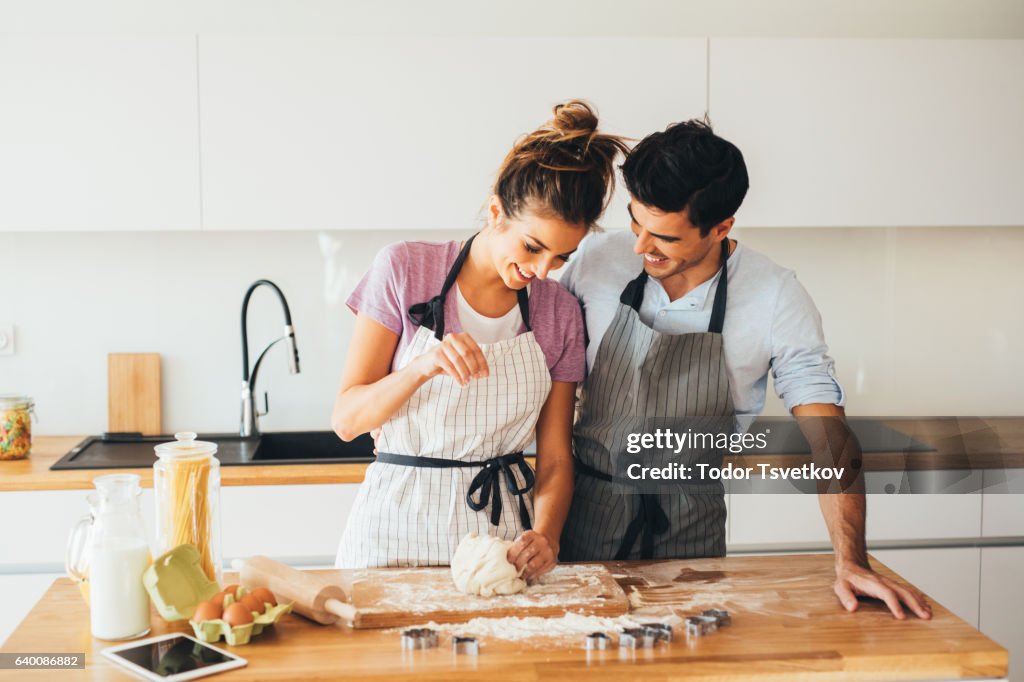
x: 650, y: 519
x: 485, y: 485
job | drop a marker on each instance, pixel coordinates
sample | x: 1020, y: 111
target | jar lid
x: 186, y: 445
x: 13, y: 401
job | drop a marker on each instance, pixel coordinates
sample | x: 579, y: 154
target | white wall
x: 921, y: 321
x: 783, y: 18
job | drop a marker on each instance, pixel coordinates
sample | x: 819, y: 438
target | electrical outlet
x: 6, y: 339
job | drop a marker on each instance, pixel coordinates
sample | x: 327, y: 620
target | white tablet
x: 171, y: 657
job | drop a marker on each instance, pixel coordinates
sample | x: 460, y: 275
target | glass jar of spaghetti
x: 15, y: 426
x: 186, y: 480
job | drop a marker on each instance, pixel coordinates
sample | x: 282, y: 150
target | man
x: 670, y: 337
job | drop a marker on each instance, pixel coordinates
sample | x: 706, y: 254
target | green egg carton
x: 176, y: 583
x: 213, y: 630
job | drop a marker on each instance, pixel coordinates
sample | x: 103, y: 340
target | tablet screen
x: 173, y: 656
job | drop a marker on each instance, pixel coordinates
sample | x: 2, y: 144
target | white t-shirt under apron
x: 485, y: 329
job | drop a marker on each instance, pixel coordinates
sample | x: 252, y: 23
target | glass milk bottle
x: 186, y: 480
x: 76, y: 558
x: 118, y: 555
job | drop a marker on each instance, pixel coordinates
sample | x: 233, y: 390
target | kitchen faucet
x: 250, y: 414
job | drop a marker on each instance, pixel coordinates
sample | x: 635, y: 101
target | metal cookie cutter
x: 661, y: 631
x: 637, y: 638
x: 698, y: 626
x: 419, y: 638
x: 465, y: 645
x: 596, y: 640
x: 719, y: 615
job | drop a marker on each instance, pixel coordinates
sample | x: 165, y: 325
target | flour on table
x: 517, y: 628
x: 427, y: 590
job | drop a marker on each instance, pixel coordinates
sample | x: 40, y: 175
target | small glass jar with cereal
x: 15, y: 426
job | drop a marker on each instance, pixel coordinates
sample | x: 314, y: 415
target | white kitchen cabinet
x: 289, y: 522
x: 1002, y: 602
x: 874, y: 132
x: 923, y: 517
x: 98, y: 132
x: 1003, y: 510
x: 35, y: 535
x: 327, y: 132
x: 297, y: 523
x: 18, y: 594
x: 948, y: 576
x: 757, y: 519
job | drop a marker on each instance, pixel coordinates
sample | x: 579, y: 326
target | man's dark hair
x: 688, y: 166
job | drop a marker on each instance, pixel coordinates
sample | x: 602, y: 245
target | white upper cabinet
x: 322, y: 132
x: 874, y: 132
x: 98, y: 133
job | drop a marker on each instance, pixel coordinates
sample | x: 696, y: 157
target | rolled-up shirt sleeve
x: 801, y: 367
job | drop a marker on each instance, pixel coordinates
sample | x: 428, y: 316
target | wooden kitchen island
x: 786, y: 625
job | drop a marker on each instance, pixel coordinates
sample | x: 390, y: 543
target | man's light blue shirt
x: 771, y: 323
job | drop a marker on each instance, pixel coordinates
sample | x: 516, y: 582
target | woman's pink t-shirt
x: 406, y: 273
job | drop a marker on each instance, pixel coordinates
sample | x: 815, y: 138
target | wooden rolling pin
x: 315, y: 599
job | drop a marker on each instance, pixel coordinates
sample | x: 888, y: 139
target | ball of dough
x: 480, y: 567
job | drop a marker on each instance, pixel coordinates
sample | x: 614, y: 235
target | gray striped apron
x: 641, y: 374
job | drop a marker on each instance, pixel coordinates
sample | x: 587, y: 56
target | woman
x: 462, y: 353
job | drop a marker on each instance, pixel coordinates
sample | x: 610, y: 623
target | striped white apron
x: 450, y: 459
x: 640, y: 374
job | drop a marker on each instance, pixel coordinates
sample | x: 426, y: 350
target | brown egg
x: 218, y: 599
x: 237, y: 614
x: 264, y: 595
x: 206, y: 610
x: 253, y: 604
x: 232, y: 590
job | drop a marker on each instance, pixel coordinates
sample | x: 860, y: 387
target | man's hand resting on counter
x: 824, y: 426
x: 853, y: 580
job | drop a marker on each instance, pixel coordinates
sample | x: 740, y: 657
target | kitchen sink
x: 282, y: 447
x: 318, y: 446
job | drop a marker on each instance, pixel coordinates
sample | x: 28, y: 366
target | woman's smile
x: 522, y: 275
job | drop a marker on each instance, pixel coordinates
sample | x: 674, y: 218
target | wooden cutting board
x: 393, y: 597
x: 133, y: 393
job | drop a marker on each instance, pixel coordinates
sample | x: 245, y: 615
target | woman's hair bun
x: 566, y: 166
x: 574, y: 117
x: 564, y: 141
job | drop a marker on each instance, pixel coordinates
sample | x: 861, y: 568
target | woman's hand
x: 533, y: 554
x: 458, y: 356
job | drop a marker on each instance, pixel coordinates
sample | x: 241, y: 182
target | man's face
x: 669, y: 242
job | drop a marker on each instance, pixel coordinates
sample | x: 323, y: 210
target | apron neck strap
x: 523, y: 299
x: 721, y: 293
x: 633, y: 294
x: 430, y: 314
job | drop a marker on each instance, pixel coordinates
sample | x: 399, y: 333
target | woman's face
x: 530, y: 245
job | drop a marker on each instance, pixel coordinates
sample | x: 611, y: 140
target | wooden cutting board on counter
x: 393, y: 597
x: 133, y: 393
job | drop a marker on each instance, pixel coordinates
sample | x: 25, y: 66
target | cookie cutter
x: 419, y: 638
x: 596, y: 641
x: 698, y: 626
x: 637, y: 638
x: 465, y: 645
x: 721, y: 616
x: 661, y: 631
